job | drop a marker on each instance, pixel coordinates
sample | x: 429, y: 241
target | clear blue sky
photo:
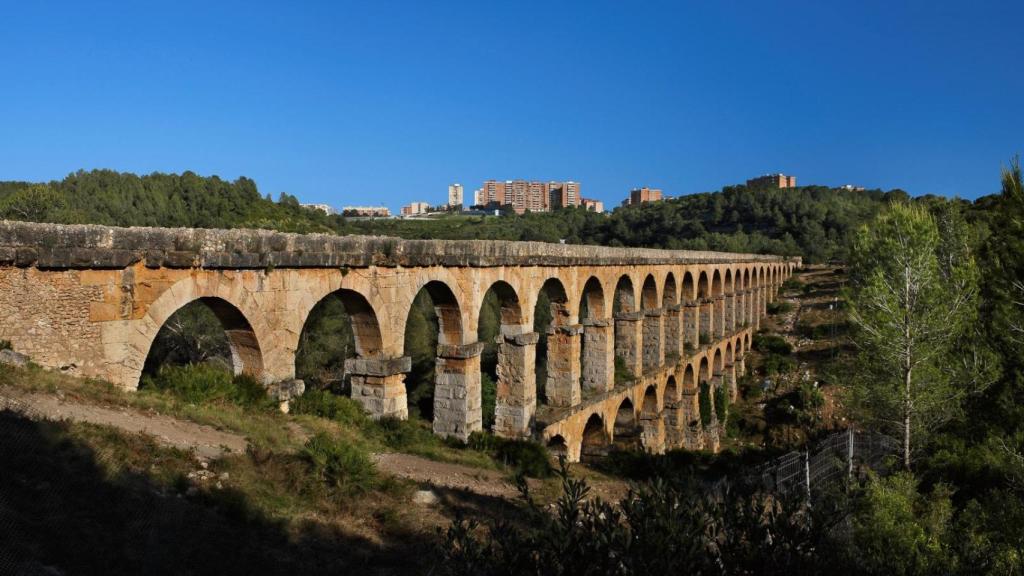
x: 387, y: 102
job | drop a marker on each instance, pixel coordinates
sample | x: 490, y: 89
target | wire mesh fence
x: 824, y: 465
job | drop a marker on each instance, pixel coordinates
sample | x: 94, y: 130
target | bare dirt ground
x: 207, y: 441
x: 210, y: 443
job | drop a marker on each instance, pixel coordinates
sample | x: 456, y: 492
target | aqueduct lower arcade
x: 634, y: 333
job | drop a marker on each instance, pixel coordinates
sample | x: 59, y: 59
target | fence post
x: 849, y: 453
x: 807, y: 474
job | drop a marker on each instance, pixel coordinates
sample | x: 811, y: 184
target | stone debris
x: 425, y: 497
x: 12, y: 358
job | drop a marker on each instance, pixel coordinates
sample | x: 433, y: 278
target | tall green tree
x: 914, y: 300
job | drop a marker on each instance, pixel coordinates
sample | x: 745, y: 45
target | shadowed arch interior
x: 625, y: 300
x: 595, y: 441
x: 434, y: 319
x: 449, y: 315
x: 592, y: 300
x: 556, y: 384
x: 689, y: 290
x: 669, y: 295
x: 703, y: 286
x: 195, y: 319
x: 649, y: 295
x: 626, y: 432
x: 500, y: 313
x: 341, y: 325
x: 557, y: 446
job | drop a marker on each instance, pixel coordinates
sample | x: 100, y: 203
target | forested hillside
x: 813, y: 221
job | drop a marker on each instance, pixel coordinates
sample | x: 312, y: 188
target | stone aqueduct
x: 90, y: 300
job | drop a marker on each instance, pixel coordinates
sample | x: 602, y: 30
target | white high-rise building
x: 455, y: 195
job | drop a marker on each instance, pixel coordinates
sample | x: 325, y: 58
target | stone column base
x: 516, y: 402
x: 378, y: 385
x: 457, y: 404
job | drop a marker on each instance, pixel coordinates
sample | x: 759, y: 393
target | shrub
x: 339, y: 465
x: 811, y: 396
x: 205, y: 384
x: 771, y: 344
x: 778, y: 364
x: 524, y: 456
x: 623, y: 375
x: 779, y: 307
x: 326, y: 404
x: 793, y: 284
x: 704, y: 401
x: 5, y: 345
x: 705, y: 338
x: 722, y: 404
x: 405, y: 434
x: 488, y: 398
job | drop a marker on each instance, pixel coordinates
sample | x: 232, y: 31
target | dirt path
x: 210, y: 443
x: 207, y: 441
x: 445, y: 475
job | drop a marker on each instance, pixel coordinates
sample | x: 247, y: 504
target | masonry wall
x: 89, y: 300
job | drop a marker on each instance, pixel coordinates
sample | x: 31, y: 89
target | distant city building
x: 772, y: 181
x: 366, y: 211
x: 641, y: 195
x: 455, y: 195
x: 852, y: 188
x: 329, y: 210
x: 593, y: 205
x: 415, y: 208
x: 523, y: 195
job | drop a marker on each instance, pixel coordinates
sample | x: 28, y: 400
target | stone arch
x: 597, y: 345
x: 670, y: 394
x: 652, y: 325
x: 652, y: 426
x: 554, y: 289
x: 557, y: 353
x: 625, y: 430
x: 689, y: 377
x: 509, y: 412
x: 135, y: 349
x: 689, y: 288
x: 716, y: 283
x: 649, y: 294
x: 508, y: 299
x: 454, y: 408
x: 625, y: 296
x: 246, y: 354
x: 628, y: 330
x: 594, y: 440
x: 592, y: 300
x: 449, y: 314
x: 703, y: 285
x: 704, y: 371
x: 728, y: 286
x: 557, y: 446
x: 669, y: 295
x: 366, y: 331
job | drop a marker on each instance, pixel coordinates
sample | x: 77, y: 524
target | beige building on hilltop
x: 532, y: 195
x: 644, y: 194
x: 772, y: 181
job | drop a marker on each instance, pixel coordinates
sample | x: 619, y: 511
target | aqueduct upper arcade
x: 91, y: 299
